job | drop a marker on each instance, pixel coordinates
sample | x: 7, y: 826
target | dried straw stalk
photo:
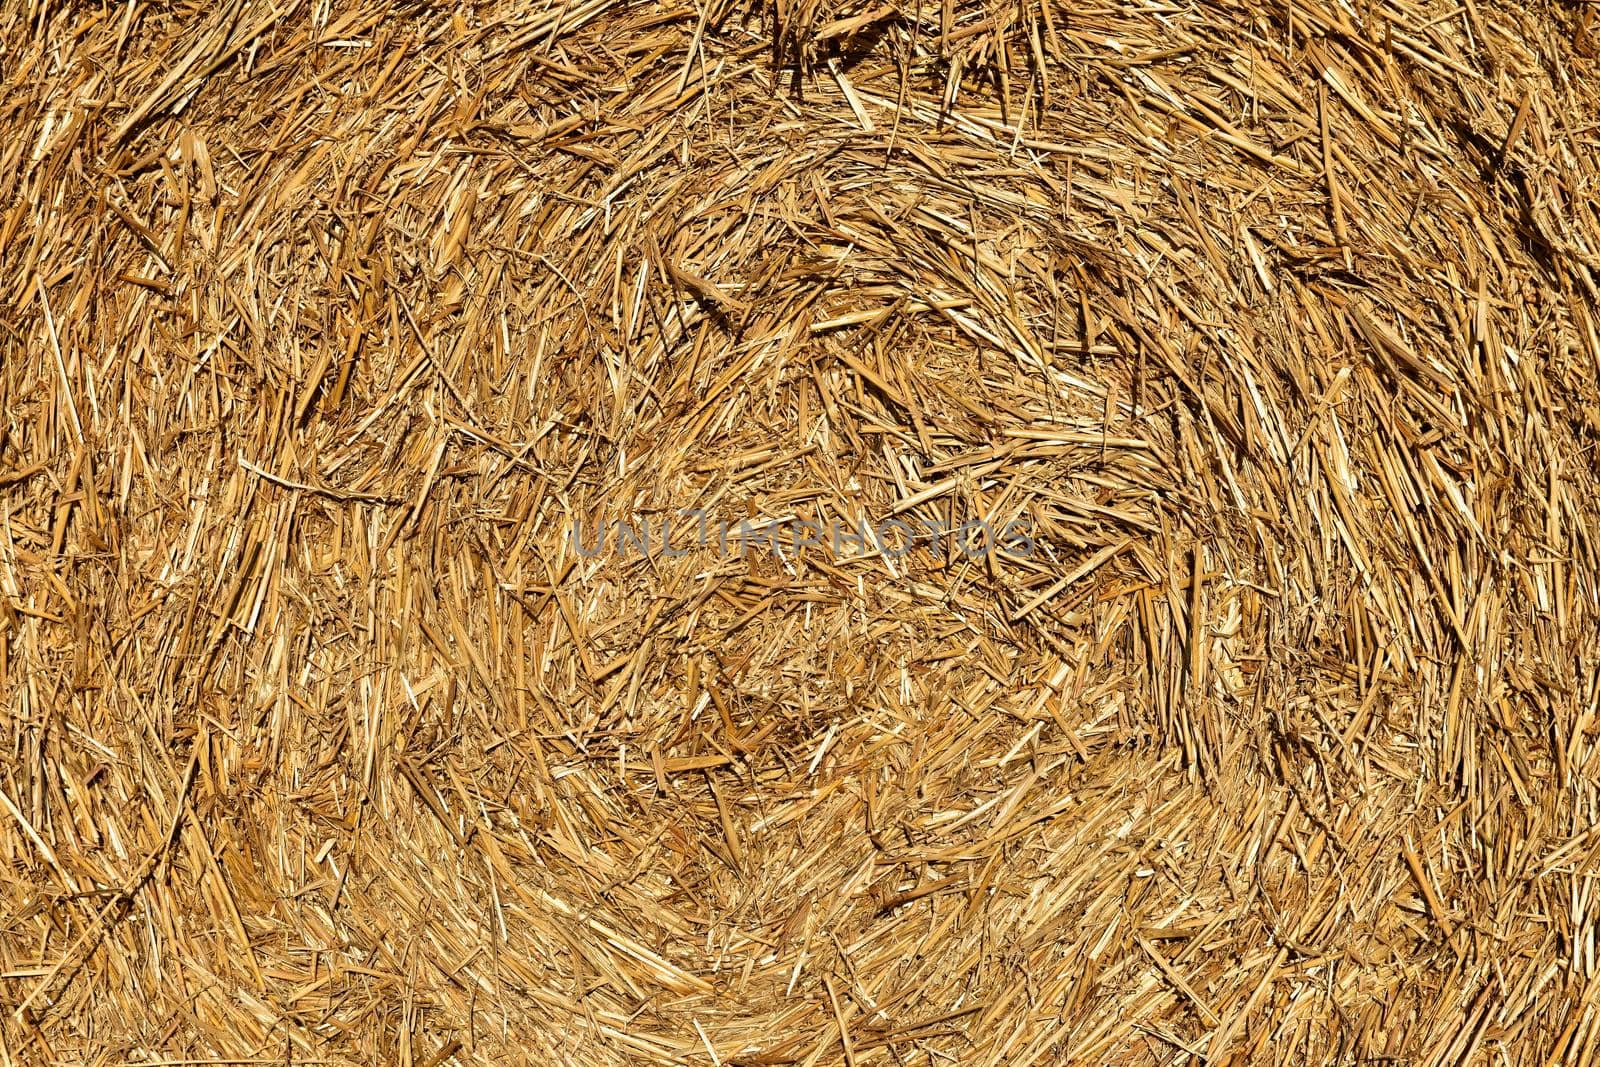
x: 1277, y: 323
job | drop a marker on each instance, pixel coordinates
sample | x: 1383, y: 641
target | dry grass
x: 322, y: 322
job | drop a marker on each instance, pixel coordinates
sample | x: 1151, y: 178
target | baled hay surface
x: 1276, y: 322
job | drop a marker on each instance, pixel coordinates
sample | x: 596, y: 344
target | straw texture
x: 1276, y: 325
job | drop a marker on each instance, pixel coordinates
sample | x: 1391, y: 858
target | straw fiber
x: 355, y: 356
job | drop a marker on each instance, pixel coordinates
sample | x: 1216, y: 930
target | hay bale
x: 1214, y: 676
